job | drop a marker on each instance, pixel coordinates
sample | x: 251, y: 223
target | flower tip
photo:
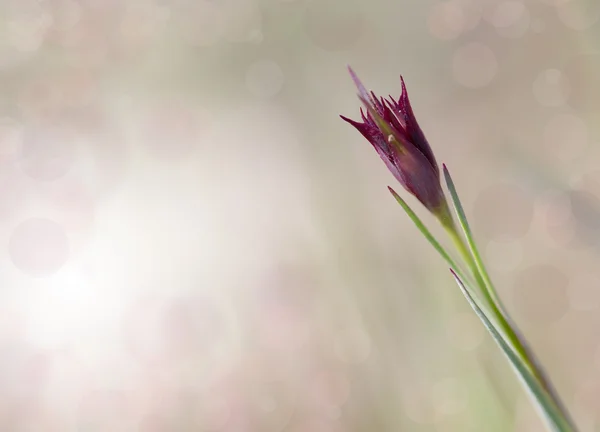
x: 402, y: 82
x: 393, y: 192
x: 352, y: 73
x: 348, y: 120
x: 362, y: 91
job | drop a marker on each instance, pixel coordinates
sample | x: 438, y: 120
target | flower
x: 391, y: 127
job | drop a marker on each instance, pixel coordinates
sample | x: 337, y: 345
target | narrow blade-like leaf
x: 426, y: 233
x: 464, y: 224
x: 551, y: 413
x: 518, y: 341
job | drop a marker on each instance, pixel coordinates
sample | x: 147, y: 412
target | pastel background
x: 192, y: 240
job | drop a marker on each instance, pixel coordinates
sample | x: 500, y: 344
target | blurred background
x: 192, y: 240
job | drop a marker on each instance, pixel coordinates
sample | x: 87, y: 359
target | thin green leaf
x: 426, y: 233
x: 512, y: 332
x: 552, y: 414
x: 464, y: 224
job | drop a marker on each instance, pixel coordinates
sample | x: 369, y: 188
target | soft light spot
x: 418, y: 405
x: 474, y: 65
x: 584, y: 292
x: 446, y: 20
x: 283, y: 331
x: 333, y: 26
x: 10, y: 138
x: 472, y: 11
x: 554, y: 207
x: 105, y: 409
x: 47, y: 151
x: 585, y: 204
x: 538, y: 25
x: 449, y: 396
x: 140, y: 23
x: 23, y: 372
x: 311, y: 424
x: 267, y: 404
x: 597, y: 359
x: 504, y: 255
x: 272, y: 407
x: 143, y: 335
x: 243, y: 20
x: 172, y: 130
x: 566, y: 136
x: 66, y: 14
x: 562, y: 235
x: 585, y: 405
x: 14, y: 191
x: 202, y: 23
x: 104, y: 164
x: 554, y: 2
x: 194, y: 324
x: 551, y: 88
x: 72, y: 310
x: 41, y: 100
x: 329, y: 389
x: 510, y: 18
x: 26, y: 31
x: 334, y: 413
x: 465, y: 331
x: 503, y: 211
x: 264, y: 79
x: 352, y: 345
x: 256, y: 36
x: 578, y: 15
x: 540, y: 294
x: 582, y: 73
x: 39, y: 247
x: 215, y: 411
x: 10, y: 56
x: 526, y: 417
x: 153, y: 422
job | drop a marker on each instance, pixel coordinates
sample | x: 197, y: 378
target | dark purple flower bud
x: 391, y: 127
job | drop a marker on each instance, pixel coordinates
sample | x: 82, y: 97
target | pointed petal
x: 410, y: 167
x: 372, y: 134
x: 421, y: 179
x: 352, y: 122
x: 397, y: 119
x: 362, y: 91
x: 417, y: 137
x: 421, y: 226
x: 385, y: 128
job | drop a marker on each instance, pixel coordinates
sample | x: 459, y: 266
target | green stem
x: 466, y: 255
x: 475, y: 263
x: 554, y: 418
x: 473, y: 259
